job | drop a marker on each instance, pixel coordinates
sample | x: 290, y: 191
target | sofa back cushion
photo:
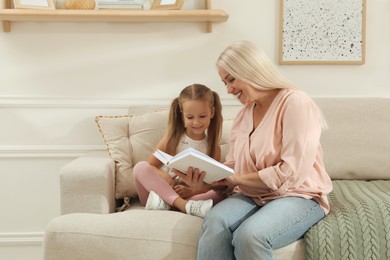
x: 356, y: 145
x: 357, y: 142
x: 147, y: 126
x: 132, y: 138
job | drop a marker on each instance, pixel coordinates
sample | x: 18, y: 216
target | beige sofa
x: 356, y: 147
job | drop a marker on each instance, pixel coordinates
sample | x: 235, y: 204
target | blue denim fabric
x: 237, y: 228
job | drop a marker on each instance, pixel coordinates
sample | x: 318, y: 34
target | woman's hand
x: 194, y: 179
x: 227, y: 183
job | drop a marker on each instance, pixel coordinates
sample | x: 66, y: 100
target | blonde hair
x: 176, y: 127
x: 245, y: 61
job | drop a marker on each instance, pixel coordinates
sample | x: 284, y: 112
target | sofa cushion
x: 145, y: 131
x: 356, y: 145
x: 132, y: 138
x: 133, y: 234
x: 357, y: 142
x: 115, y: 131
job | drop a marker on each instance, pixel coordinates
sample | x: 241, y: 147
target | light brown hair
x: 176, y: 127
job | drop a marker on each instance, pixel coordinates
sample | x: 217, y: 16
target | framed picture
x: 34, y: 4
x: 322, y: 32
x: 167, y: 4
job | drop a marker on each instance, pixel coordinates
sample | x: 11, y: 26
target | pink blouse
x: 284, y: 149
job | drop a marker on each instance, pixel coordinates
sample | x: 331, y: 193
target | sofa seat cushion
x: 133, y: 234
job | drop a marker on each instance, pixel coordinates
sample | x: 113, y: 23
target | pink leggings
x: 146, y: 180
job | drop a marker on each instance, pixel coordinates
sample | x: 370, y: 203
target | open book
x: 190, y: 157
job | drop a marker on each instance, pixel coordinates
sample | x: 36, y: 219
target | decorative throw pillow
x: 130, y: 139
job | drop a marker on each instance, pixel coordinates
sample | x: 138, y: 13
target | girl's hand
x: 193, y: 179
x: 184, y: 191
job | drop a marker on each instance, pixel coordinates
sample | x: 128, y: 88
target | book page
x: 190, y: 157
x: 201, y: 155
x: 162, y: 156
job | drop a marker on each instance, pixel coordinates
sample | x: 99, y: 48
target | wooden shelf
x: 142, y: 16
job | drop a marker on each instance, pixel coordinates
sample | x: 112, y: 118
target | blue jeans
x: 237, y: 228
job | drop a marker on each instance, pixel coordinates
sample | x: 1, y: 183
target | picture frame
x: 34, y: 4
x: 167, y: 4
x: 320, y: 32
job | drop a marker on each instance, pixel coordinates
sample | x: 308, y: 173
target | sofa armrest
x: 87, y: 185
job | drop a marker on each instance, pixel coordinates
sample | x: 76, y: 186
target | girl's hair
x: 245, y: 61
x: 176, y: 128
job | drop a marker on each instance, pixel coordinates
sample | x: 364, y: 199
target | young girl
x: 195, y: 120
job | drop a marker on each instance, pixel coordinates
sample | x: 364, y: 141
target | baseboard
x: 21, y: 246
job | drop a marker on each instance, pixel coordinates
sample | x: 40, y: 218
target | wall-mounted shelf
x: 8, y: 15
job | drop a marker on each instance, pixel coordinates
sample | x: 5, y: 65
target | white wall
x: 55, y: 77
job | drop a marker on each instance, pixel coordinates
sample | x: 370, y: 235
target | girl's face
x: 196, y: 115
x: 243, y: 91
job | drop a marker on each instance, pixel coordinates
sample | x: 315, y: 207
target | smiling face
x: 196, y: 115
x: 243, y: 91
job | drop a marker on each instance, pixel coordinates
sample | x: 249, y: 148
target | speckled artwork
x: 322, y: 31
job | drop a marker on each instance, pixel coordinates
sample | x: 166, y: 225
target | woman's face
x: 243, y: 91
